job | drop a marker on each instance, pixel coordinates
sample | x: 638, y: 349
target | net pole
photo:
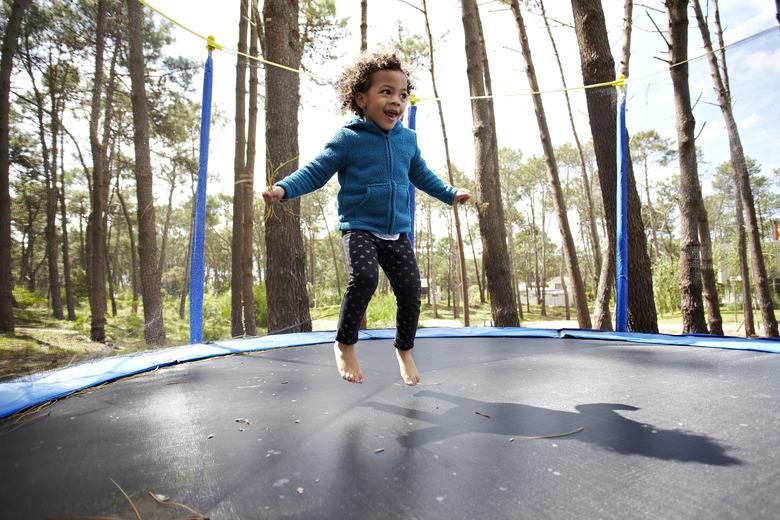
x: 197, y: 256
x: 621, y: 249
x: 412, y: 126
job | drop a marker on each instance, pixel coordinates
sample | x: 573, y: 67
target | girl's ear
x: 360, y: 99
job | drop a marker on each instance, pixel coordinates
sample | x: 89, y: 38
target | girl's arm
x: 424, y: 179
x: 316, y: 173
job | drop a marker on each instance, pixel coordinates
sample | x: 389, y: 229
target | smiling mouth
x: 392, y: 114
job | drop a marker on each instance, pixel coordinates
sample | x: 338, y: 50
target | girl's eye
x: 404, y: 96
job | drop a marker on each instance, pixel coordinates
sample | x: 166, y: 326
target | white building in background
x: 553, y: 292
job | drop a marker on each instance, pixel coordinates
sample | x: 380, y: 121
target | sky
x: 754, y: 70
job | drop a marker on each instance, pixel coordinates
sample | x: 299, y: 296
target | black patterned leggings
x: 365, y: 253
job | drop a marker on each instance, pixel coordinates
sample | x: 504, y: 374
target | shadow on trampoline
x: 601, y: 426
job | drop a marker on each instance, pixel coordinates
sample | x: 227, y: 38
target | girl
x: 376, y: 158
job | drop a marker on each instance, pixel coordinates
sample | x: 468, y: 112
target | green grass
x: 42, y: 342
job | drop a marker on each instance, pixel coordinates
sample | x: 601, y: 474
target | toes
x: 352, y: 378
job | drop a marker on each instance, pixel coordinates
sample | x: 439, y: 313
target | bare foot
x: 409, y: 372
x: 347, y: 363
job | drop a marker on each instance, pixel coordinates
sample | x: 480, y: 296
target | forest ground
x: 43, y: 343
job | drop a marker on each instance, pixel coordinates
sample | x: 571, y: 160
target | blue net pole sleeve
x: 413, y: 126
x: 621, y: 261
x: 197, y: 268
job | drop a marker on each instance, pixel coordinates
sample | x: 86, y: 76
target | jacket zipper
x: 390, y: 179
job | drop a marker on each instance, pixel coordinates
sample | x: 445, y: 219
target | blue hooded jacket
x: 374, y: 170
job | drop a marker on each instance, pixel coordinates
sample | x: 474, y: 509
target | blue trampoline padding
x: 32, y: 390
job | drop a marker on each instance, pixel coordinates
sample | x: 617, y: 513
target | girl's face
x: 385, y: 101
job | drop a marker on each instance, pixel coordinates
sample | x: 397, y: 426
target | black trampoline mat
x: 661, y: 432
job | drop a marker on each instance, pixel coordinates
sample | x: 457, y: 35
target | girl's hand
x: 461, y: 196
x: 273, y: 194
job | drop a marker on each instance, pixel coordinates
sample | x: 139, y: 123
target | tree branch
x: 668, y: 45
x: 411, y: 5
x: 700, y: 131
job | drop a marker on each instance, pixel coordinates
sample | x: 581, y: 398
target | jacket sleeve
x: 316, y: 173
x: 424, y: 179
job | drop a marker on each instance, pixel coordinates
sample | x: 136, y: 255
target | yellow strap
x: 413, y: 99
x: 616, y: 83
x: 212, y: 44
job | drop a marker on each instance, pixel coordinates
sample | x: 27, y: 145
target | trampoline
x: 508, y: 423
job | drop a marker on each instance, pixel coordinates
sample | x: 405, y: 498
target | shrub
x: 25, y: 299
x: 261, y: 306
x: 381, y: 311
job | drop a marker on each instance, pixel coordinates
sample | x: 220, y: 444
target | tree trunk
x: 12, y: 30
x: 332, y: 246
x: 82, y: 243
x: 52, y: 196
x: 154, y: 327
x: 723, y: 68
x: 747, y: 300
x: 364, y: 24
x: 742, y: 182
x: 185, y: 286
x: 96, y: 226
x: 459, y: 234
x: 167, y: 223
x: 598, y: 66
x: 592, y: 228
x: 650, y: 211
x: 432, y: 278
x: 513, y: 269
x: 628, y: 24
x: 49, y: 161
x: 480, y: 285
x: 288, y: 309
x: 453, y: 261
x: 311, y: 269
x: 565, y: 288
x: 66, y: 268
x: 690, y: 260
x: 112, y: 272
x: 602, y: 318
x: 535, y: 239
x: 527, y: 285
x: 699, y: 213
x: 543, y: 288
x: 570, y: 252
x: 489, y: 205
x: 133, y: 250
x: 239, y: 171
x: 709, y: 283
x: 26, y: 243
x: 247, y: 279
x: 777, y: 8
x: 28, y: 260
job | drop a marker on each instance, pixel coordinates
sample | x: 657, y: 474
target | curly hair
x: 357, y: 77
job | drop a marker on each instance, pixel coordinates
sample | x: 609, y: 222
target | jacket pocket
x: 403, y: 219
x: 374, y: 209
